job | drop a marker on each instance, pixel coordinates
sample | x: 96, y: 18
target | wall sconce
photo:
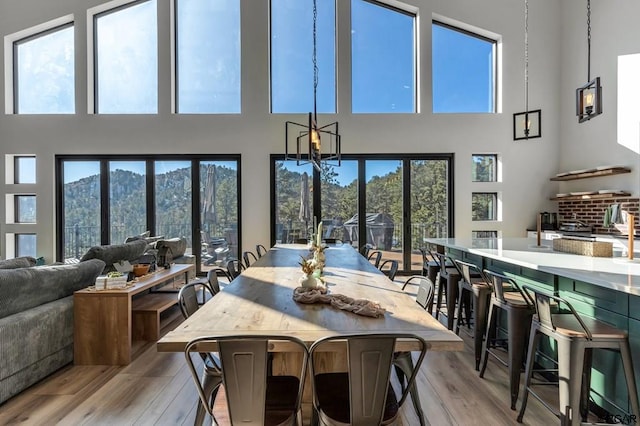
x: 589, y: 100
x: 527, y: 125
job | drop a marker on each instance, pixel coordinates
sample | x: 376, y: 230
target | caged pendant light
x: 527, y: 124
x: 315, y: 137
x: 589, y: 96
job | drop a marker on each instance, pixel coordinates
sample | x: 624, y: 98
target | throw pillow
x: 177, y: 245
x: 111, y: 254
x: 18, y: 262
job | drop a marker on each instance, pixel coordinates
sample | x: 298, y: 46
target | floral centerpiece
x: 309, y: 278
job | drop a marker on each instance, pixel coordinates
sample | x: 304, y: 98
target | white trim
x: 9, y: 40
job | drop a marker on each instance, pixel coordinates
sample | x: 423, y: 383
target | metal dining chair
x: 375, y: 256
x: 249, y: 258
x: 390, y: 268
x: 260, y: 250
x: 363, y: 395
x: 210, y: 378
x: 402, y: 361
x: 254, y: 398
x: 234, y: 268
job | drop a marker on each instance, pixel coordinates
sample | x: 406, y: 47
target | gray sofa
x: 36, y: 319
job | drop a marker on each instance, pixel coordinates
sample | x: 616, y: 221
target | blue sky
x: 383, y: 63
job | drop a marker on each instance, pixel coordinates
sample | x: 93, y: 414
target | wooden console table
x: 103, y: 319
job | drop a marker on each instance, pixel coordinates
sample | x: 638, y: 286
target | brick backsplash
x: 591, y: 212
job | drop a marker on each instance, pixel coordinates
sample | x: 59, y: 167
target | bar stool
x: 473, y: 283
x: 576, y: 337
x: 519, y: 308
x: 447, y: 280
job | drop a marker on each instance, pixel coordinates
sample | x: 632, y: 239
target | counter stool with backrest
x: 447, y: 282
x: 576, y: 337
x: 519, y: 308
x: 474, y: 286
x: 438, y: 277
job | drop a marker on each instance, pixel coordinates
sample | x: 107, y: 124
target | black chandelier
x: 527, y: 124
x: 315, y: 137
x: 589, y: 96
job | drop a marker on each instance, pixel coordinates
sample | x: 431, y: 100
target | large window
x: 104, y: 200
x: 291, y: 54
x: 383, y: 58
x: 208, y: 56
x: 44, y: 74
x: 391, y: 203
x: 126, y: 59
x: 464, y: 71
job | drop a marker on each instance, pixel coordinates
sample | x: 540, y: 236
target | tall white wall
x: 613, y: 137
x: 256, y: 133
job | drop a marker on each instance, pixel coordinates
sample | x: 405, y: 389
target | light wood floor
x: 156, y: 389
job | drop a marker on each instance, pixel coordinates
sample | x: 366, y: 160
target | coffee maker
x: 548, y: 221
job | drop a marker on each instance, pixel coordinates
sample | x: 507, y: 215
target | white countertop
x: 616, y: 273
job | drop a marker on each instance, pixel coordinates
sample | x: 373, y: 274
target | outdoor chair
x: 358, y: 396
x: 253, y: 396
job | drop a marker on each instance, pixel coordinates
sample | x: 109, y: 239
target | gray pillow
x: 114, y: 253
x: 177, y: 245
x: 24, y: 288
x: 18, y: 262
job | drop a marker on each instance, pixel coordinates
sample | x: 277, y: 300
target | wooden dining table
x: 260, y: 302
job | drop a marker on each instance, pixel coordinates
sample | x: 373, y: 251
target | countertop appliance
x: 576, y: 228
x: 548, y: 221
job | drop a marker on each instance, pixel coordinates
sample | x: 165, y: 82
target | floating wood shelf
x: 594, y: 196
x: 593, y: 173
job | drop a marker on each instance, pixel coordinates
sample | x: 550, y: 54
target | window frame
x: 495, y: 167
x: 412, y: 12
x: 495, y: 210
x: 150, y: 159
x: 476, y: 33
x: 93, y: 15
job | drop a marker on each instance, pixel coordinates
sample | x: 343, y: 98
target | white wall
x: 615, y: 35
x: 256, y: 133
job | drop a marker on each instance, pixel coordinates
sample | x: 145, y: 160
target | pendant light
x: 316, y: 137
x: 589, y: 96
x: 527, y: 124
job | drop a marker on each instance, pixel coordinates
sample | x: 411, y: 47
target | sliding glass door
x: 401, y: 200
x: 105, y: 199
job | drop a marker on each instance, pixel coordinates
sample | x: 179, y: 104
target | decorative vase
x: 308, y: 281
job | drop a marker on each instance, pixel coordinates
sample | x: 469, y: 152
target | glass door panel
x: 173, y: 200
x: 429, y: 205
x: 218, y: 212
x: 384, y: 208
x: 339, y: 195
x: 127, y: 199
x: 81, y: 195
x: 294, y: 201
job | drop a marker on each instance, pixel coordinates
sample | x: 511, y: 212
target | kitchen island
x: 604, y: 288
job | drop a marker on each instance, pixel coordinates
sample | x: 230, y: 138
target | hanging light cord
x: 588, y: 40
x: 526, y: 55
x: 315, y: 61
